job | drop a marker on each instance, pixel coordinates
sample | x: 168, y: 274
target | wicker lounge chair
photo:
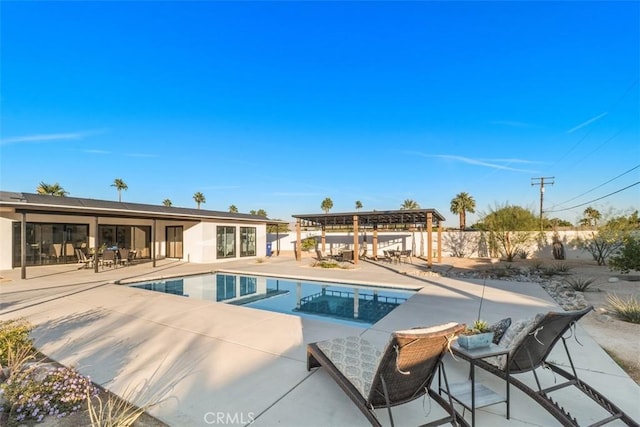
x: 401, y: 373
x: 530, y: 347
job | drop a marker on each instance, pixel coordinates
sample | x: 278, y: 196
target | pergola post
x: 356, y: 247
x: 429, y: 237
x: 153, y: 242
x: 23, y: 246
x: 324, y: 240
x: 95, y: 244
x: 439, y: 243
x: 298, y: 241
x: 375, y: 241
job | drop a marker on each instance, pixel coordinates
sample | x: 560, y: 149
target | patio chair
x: 530, y: 344
x: 123, y: 256
x: 321, y: 257
x: 108, y: 258
x: 403, y: 255
x: 401, y: 373
x: 82, y: 259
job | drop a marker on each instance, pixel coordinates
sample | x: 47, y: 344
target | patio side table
x: 471, y: 395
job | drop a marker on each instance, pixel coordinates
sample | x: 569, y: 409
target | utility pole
x: 541, y: 182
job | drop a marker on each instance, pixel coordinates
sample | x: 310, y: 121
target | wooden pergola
x: 375, y: 220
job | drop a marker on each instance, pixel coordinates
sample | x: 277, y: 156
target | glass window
x: 248, y: 285
x: 226, y: 238
x: 247, y: 241
x: 133, y: 237
x: 50, y: 243
x: 225, y: 287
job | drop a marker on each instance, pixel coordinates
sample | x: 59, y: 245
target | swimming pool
x: 340, y: 302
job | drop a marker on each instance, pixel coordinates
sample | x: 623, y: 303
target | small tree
x: 607, y: 239
x: 358, y: 205
x: 510, y: 228
x: 326, y: 205
x: 628, y: 256
x: 199, y: 198
x: 233, y: 209
x: 167, y: 202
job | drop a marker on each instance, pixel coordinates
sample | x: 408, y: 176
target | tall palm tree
x: 358, y: 205
x: 592, y: 215
x: 120, y: 185
x: 233, y: 209
x: 326, y: 205
x: 460, y: 205
x: 410, y: 204
x: 167, y: 202
x: 199, y: 198
x: 51, y: 189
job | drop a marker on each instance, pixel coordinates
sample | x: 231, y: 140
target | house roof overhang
x: 55, y: 205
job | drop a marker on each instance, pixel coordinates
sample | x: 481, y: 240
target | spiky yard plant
x: 625, y: 309
x: 579, y: 283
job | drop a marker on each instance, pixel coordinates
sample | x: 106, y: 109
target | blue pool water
x: 361, y: 305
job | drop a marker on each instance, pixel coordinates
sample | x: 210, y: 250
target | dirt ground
x: 620, y: 339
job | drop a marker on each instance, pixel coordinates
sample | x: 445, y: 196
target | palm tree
x: 120, y: 185
x: 460, y: 205
x: 326, y: 205
x: 591, y: 216
x: 233, y: 209
x: 51, y: 189
x: 167, y: 202
x: 358, y: 205
x: 410, y: 204
x: 199, y: 198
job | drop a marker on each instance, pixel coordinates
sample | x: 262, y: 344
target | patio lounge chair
x: 401, y: 373
x: 321, y: 257
x: 530, y: 345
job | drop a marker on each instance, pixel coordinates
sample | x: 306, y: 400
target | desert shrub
x: 14, y: 334
x: 523, y: 254
x: 32, y: 395
x: 561, y: 268
x: 579, y: 283
x: 308, y: 244
x: 536, y: 267
x: 628, y: 256
x: 625, y: 309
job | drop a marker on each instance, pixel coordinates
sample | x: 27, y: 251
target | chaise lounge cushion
x: 356, y: 358
x: 513, y: 336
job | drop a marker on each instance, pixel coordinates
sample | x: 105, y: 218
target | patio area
x: 224, y: 364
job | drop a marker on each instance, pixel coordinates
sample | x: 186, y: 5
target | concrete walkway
x: 215, y: 364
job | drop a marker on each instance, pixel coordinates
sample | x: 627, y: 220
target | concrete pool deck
x: 221, y: 364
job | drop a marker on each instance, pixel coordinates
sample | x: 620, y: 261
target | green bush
x: 13, y: 334
x: 625, y: 309
x: 308, y: 244
x: 628, y: 256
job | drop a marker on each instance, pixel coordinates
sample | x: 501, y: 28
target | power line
x: 595, y: 200
x: 595, y: 188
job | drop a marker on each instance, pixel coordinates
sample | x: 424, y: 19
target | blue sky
x: 277, y: 105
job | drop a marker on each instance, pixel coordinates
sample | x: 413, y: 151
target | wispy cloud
x: 97, y: 151
x: 510, y: 123
x: 588, y: 122
x: 501, y: 164
x: 47, y: 137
